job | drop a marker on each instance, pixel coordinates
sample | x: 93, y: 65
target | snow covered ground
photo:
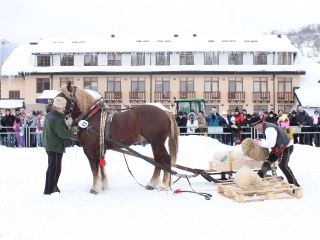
x: 128, y: 211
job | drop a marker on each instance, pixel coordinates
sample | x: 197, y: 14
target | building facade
x: 248, y: 72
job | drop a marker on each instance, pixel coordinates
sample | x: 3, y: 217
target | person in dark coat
x: 8, y: 121
x: 272, y: 118
x: 55, y: 140
x: 182, y: 122
x: 293, y: 122
x: 281, y: 148
x: 246, y: 124
x: 303, y: 120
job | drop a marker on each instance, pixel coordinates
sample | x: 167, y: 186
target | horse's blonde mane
x: 84, y: 100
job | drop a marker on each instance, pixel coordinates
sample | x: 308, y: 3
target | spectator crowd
x: 301, y: 127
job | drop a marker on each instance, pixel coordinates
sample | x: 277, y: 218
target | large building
x: 249, y: 72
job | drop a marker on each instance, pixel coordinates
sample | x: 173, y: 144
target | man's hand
x: 255, y: 142
x: 75, y: 129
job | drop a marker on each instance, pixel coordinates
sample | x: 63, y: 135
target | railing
x: 162, y: 96
x: 29, y: 137
x: 236, y: 96
x: 137, y: 96
x: 113, y: 96
x: 184, y: 95
x: 261, y: 96
x: 212, y: 96
x: 285, y: 96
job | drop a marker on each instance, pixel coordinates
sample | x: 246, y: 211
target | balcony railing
x: 236, y: 96
x: 113, y: 96
x: 162, y: 96
x: 137, y: 96
x: 212, y: 96
x: 184, y: 95
x: 261, y: 96
x: 285, y: 96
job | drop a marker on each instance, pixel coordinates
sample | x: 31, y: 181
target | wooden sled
x: 273, y: 189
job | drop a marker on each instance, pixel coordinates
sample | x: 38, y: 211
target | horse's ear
x: 69, y: 86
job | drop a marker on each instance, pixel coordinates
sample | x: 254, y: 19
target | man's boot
x: 266, y: 166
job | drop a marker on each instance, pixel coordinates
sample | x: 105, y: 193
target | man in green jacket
x: 55, y: 139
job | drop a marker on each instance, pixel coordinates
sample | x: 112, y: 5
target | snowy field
x: 128, y: 211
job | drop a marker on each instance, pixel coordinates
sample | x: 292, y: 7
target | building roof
x: 11, y: 103
x: 23, y: 59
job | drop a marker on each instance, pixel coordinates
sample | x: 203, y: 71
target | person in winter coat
x: 235, y: 131
x: 30, y: 123
x: 271, y: 118
x: 238, y: 116
x: 19, y: 132
x: 55, y: 139
x: 293, y: 122
x: 8, y: 121
x: 181, y: 122
x: 246, y: 124
x: 40, y: 122
x: 224, y: 123
x: 202, y: 121
x: 214, y: 119
x: 281, y: 148
x: 315, y: 127
x: 303, y: 120
x: 192, y: 123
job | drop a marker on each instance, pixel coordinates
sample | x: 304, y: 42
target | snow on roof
x: 11, y: 103
x: 308, y: 93
x: 23, y: 58
x: 48, y: 94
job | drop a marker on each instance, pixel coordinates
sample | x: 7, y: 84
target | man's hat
x: 60, y: 102
x: 255, y: 121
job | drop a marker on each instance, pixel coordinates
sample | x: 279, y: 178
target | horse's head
x: 78, y: 100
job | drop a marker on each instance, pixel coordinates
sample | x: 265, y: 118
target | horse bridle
x: 72, y: 100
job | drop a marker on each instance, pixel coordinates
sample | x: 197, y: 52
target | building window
x: 186, y: 86
x: 14, y: 94
x: 284, y: 84
x: 163, y: 58
x: 114, y: 59
x: 43, y: 60
x: 43, y: 84
x: 260, y: 59
x: 138, y: 59
x: 91, y: 60
x: 235, y: 59
x: 211, y: 58
x: 91, y: 83
x: 138, y: 84
x: 64, y: 81
x: 163, y: 85
x: 260, y: 108
x: 285, y: 108
x: 284, y: 58
x: 235, y: 84
x: 186, y: 58
x: 67, y: 60
x: 114, y: 84
x: 211, y: 84
x: 260, y: 84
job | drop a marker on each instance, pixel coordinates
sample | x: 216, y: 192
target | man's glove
x: 234, y: 126
x: 75, y: 129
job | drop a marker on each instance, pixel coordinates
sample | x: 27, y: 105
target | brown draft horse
x: 145, y: 122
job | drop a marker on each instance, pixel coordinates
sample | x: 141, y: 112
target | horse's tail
x: 173, y: 137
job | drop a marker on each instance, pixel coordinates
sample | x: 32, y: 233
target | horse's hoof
x: 148, y: 187
x: 93, y: 192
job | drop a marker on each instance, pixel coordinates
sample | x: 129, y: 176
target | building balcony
x: 113, y: 96
x: 236, y: 96
x: 162, y: 96
x: 212, y: 96
x: 261, y: 97
x: 137, y: 96
x: 285, y: 97
x: 184, y: 95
